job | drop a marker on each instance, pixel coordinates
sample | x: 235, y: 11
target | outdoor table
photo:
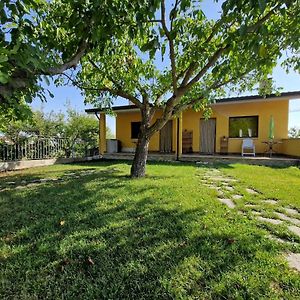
x: 270, y: 144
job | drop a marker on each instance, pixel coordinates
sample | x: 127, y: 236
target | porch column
x: 178, y: 137
x: 102, y: 134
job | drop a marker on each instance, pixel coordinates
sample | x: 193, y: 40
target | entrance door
x: 207, y: 136
x: 165, y: 139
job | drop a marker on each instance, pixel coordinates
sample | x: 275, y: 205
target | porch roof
x: 230, y: 100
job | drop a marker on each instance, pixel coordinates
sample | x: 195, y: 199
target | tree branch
x: 171, y: 46
x: 209, y: 64
x: 72, y: 63
x: 115, y: 92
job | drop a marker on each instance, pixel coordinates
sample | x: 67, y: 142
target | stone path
x: 293, y: 260
x: 290, y: 219
x: 214, y: 179
x: 35, y: 182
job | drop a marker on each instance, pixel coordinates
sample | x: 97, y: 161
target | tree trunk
x: 138, y: 167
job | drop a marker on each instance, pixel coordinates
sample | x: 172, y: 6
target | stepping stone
x: 251, y: 191
x: 229, y: 188
x: 10, y: 183
x: 32, y: 184
x: 35, y: 181
x: 293, y: 260
x: 220, y: 193
x: 212, y: 187
x: 270, y: 201
x: 20, y: 187
x: 294, y: 229
x: 55, y: 179
x: 277, y: 239
x: 237, y: 197
x: 268, y: 220
x: 45, y: 179
x: 227, y: 202
x: 218, y: 178
x: 286, y: 218
x: 229, y: 180
x: 291, y: 211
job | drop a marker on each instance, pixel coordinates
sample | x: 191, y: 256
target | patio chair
x: 248, y: 145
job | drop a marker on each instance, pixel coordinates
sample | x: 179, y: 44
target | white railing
x: 35, y: 148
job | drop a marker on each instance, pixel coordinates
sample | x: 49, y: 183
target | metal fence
x: 36, y: 148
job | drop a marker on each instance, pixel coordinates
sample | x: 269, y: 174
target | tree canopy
x: 41, y: 38
x: 74, y: 127
x: 202, y: 58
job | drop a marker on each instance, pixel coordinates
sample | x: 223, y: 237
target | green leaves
x: 262, y: 5
x: 4, y: 77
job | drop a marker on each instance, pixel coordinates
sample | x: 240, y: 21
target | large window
x: 243, y: 127
x: 135, y: 129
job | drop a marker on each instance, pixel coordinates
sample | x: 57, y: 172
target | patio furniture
x: 248, y: 144
x: 270, y: 146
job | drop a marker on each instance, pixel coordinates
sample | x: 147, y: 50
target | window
x: 135, y: 129
x: 243, y: 127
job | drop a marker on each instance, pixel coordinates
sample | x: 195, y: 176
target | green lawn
x: 105, y: 236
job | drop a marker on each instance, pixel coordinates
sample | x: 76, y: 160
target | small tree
x: 205, y: 57
x: 294, y: 133
x: 76, y: 128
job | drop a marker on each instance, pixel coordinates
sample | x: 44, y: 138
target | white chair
x: 248, y: 144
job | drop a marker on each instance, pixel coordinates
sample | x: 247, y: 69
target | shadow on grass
x: 104, y: 237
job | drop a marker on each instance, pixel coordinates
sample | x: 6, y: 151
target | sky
x: 62, y: 95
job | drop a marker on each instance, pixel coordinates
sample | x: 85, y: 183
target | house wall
x: 191, y: 122
x: 123, y: 131
x: 291, y: 147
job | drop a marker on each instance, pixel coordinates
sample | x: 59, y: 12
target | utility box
x: 112, y: 146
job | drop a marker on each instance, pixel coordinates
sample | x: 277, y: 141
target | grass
x: 105, y: 236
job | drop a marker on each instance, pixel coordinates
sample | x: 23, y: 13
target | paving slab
x: 227, y: 202
x: 237, y: 197
x: 293, y: 260
x: 294, y: 229
x: 220, y: 193
x: 270, y: 201
x: 286, y: 218
x: 251, y: 191
x: 229, y: 188
x: 220, y: 178
x: 277, y: 239
x: 291, y: 211
x: 268, y: 220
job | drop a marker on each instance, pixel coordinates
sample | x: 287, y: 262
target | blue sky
x: 288, y: 82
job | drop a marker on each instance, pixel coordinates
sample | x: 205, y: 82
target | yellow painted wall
x: 291, y: 147
x: 123, y: 130
x: 264, y: 110
x: 222, y: 112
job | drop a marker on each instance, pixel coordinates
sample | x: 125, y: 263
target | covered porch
x: 279, y: 161
x: 173, y: 145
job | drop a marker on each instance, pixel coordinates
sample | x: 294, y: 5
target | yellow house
x: 232, y: 120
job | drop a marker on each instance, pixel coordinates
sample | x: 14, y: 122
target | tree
x: 40, y: 39
x: 77, y: 129
x: 294, y: 133
x: 205, y: 58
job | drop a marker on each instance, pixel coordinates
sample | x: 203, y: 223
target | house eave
x: 223, y: 101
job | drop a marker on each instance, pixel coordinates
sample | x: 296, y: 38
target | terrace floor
x: 216, y: 158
